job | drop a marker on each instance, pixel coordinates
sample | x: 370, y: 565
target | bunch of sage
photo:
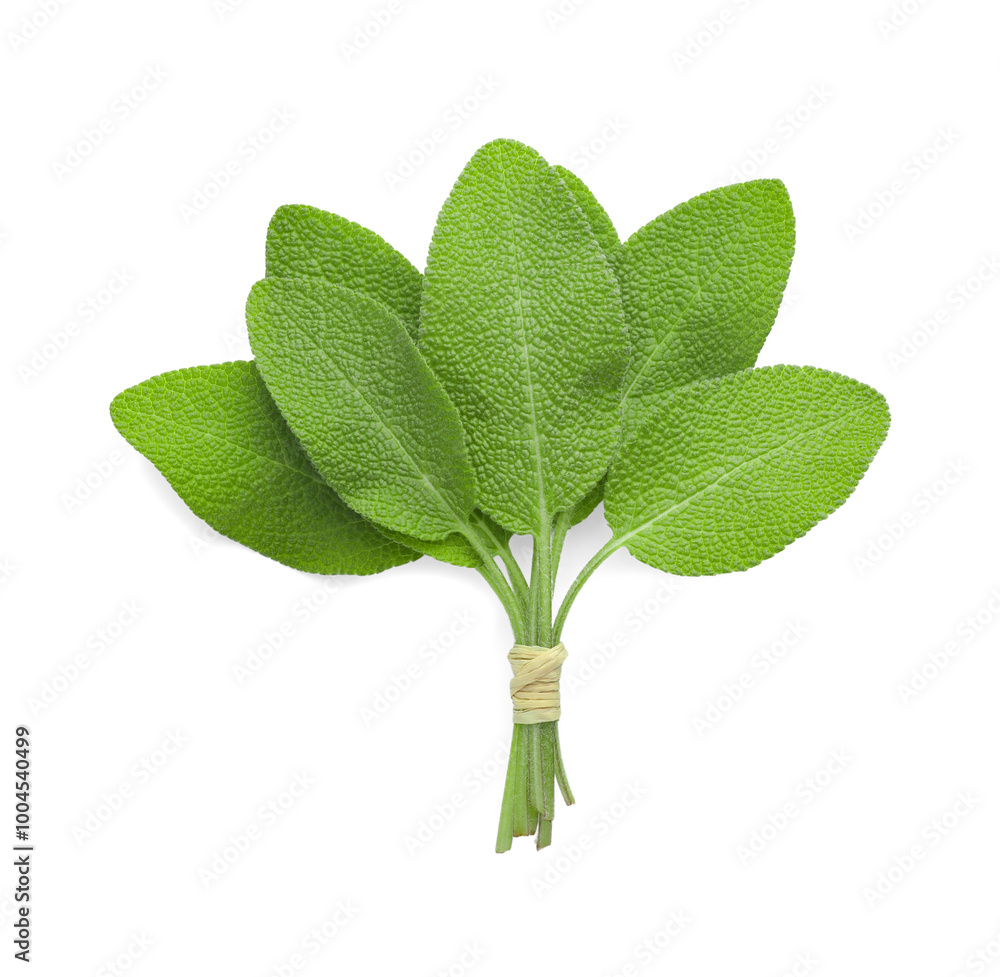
x: 537, y: 368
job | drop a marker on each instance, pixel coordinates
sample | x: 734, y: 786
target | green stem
x: 544, y: 834
x: 505, y: 831
x: 561, y: 777
x: 536, y: 764
x: 499, y: 586
x: 559, y: 531
x: 522, y: 808
x: 541, y: 583
x: 537, y: 800
x: 533, y: 600
x: 534, y: 768
x: 584, y: 575
x: 502, y: 548
x: 549, y: 737
x: 490, y: 572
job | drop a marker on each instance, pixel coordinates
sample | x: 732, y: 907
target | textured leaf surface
x: 587, y: 504
x: 604, y: 230
x: 701, y: 286
x: 306, y: 242
x: 363, y: 403
x: 729, y: 471
x: 521, y: 320
x: 597, y: 216
x: 216, y: 435
x: 454, y: 549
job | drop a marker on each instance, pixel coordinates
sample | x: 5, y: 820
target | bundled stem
x: 536, y: 765
x: 534, y: 769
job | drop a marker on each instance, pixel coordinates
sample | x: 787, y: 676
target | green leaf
x: 216, y: 435
x: 587, y: 504
x: 454, y: 549
x: 597, y: 216
x: 521, y: 320
x: 303, y: 242
x: 729, y: 471
x: 607, y: 237
x: 701, y: 286
x: 364, y: 404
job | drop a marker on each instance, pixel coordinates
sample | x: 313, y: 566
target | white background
x: 603, y: 90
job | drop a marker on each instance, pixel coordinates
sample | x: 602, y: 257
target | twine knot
x: 534, y: 689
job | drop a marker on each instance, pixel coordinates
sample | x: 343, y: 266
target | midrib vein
x: 621, y: 540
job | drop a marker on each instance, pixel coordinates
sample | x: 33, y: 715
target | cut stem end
x: 534, y: 768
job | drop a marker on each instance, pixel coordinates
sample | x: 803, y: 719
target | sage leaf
x: 729, y: 471
x: 604, y: 230
x: 587, y: 504
x: 701, y: 285
x: 218, y: 438
x: 597, y: 216
x: 456, y: 549
x: 304, y: 242
x: 364, y: 404
x: 521, y: 320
